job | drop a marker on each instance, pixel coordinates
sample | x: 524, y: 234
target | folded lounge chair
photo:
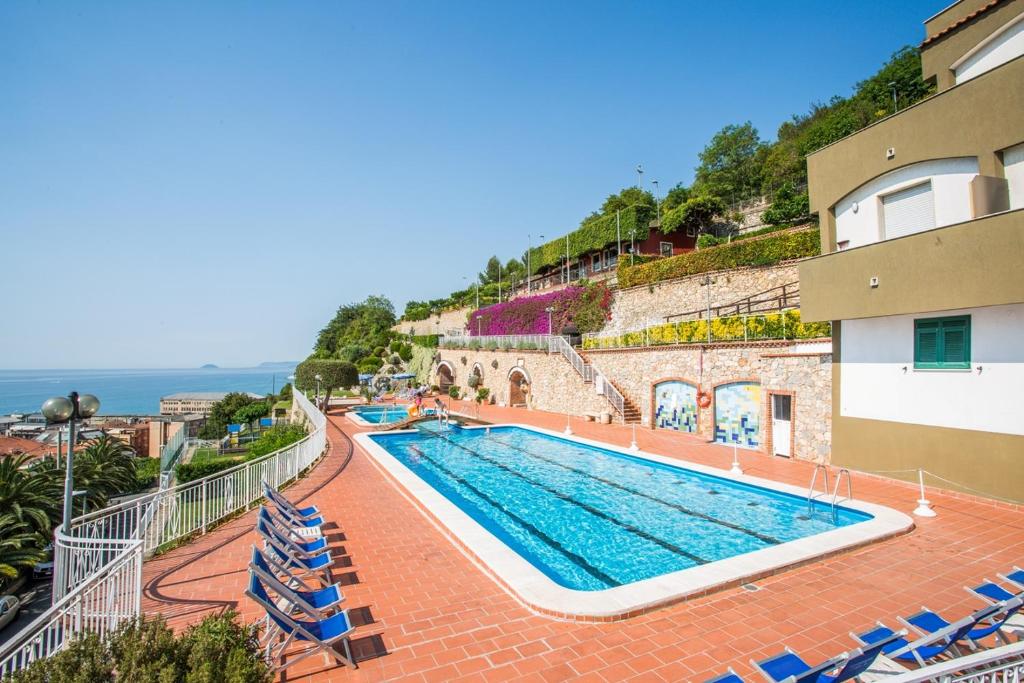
x: 307, y: 545
x: 310, y: 526
x: 994, y: 594
x: 321, y: 601
x: 320, y: 634
x: 928, y: 646
x: 789, y: 667
x: 279, y: 501
x: 317, y: 567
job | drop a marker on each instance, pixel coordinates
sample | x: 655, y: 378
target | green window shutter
x: 956, y: 350
x: 926, y: 344
x: 942, y: 343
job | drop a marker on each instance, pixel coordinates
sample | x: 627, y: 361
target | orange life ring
x: 703, y: 399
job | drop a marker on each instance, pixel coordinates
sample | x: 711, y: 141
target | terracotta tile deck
x: 429, y: 614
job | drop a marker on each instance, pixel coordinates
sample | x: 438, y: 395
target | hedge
x: 594, y: 234
x: 427, y: 340
x: 191, y: 471
x: 764, y: 251
x: 728, y: 328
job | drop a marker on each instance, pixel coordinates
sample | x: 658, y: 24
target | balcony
x: 975, y: 263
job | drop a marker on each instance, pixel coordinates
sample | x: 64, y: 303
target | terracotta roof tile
x: 960, y: 22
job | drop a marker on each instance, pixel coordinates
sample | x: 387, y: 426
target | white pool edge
x: 536, y: 590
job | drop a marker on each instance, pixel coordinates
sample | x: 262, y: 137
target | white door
x: 782, y: 410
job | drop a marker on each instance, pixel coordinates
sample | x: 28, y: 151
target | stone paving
x: 425, y: 612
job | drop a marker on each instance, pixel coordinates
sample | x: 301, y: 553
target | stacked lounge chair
x: 883, y: 651
x: 290, y: 578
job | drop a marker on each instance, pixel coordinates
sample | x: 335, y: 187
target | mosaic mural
x: 738, y: 413
x: 675, y: 406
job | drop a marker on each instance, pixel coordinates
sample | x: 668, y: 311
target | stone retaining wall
x: 802, y: 370
x: 779, y: 367
x: 436, y: 324
x: 554, y: 385
x: 645, y: 305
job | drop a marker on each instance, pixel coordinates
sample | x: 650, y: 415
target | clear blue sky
x: 192, y: 182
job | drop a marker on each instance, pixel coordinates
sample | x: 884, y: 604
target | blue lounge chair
x: 929, y: 622
x: 321, y: 601
x: 299, y: 522
x: 286, y: 525
x: 1016, y: 577
x: 320, y: 634
x: 317, y: 567
x: 994, y: 594
x: 729, y: 677
x: 309, y: 547
x: 926, y: 647
x: 926, y: 621
x: 275, y: 497
x: 789, y: 666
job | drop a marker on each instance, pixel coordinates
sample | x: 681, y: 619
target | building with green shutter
x: 922, y: 272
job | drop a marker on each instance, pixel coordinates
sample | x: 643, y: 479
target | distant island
x: 279, y: 364
x: 209, y: 366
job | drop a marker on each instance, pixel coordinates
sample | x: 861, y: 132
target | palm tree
x: 104, y: 467
x: 20, y: 546
x: 28, y: 494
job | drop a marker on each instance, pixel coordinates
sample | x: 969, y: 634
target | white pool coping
x: 539, y: 592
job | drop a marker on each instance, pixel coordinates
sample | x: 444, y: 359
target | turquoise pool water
x: 382, y: 414
x: 591, y: 518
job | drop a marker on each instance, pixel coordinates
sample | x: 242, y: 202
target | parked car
x: 44, y: 569
x: 9, y: 606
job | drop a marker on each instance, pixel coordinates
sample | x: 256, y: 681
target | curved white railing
x: 97, y: 581
x: 99, y: 604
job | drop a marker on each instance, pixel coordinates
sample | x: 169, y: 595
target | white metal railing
x: 561, y: 345
x: 97, y: 580
x: 99, y: 604
x: 172, y: 449
x: 497, y: 341
x: 996, y: 665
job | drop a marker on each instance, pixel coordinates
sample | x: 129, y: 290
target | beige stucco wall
x: 641, y: 306
x: 938, y: 55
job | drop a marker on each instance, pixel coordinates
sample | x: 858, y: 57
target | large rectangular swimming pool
x: 591, y: 518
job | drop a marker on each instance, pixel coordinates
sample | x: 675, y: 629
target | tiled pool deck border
x: 530, y: 587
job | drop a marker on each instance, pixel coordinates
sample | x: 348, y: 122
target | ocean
x: 130, y: 392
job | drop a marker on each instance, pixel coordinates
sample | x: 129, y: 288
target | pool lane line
x: 667, y: 545
x: 577, y: 560
x: 675, y: 506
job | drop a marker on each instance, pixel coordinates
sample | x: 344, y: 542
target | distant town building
x: 12, y: 445
x: 199, y: 402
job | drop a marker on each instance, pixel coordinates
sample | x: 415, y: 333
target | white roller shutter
x: 908, y: 211
x: 1013, y: 165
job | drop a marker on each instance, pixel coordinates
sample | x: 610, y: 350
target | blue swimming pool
x: 591, y: 518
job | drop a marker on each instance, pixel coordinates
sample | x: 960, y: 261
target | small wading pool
x: 382, y: 414
x: 579, y: 529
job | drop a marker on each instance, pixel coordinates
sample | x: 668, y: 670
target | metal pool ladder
x: 811, y: 494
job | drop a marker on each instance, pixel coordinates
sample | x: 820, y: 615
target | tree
x: 252, y: 412
x: 696, y: 215
x: 789, y: 205
x: 676, y: 196
x: 730, y: 164
x: 30, y: 498
x: 334, y: 374
x: 626, y: 198
x: 20, y: 546
x: 367, y: 323
x: 491, y: 271
x: 222, y: 413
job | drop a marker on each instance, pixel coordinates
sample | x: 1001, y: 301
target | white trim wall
x: 1013, y: 170
x: 878, y: 380
x: 1000, y: 47
x: 859, y: 215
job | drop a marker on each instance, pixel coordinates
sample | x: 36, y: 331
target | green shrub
x: 707, y: 240
x: 405, y: 352
x: 146, y: 650
x: 482, y: 393
x: 191, y: 471
x: 789, y: 205
x: 428, y: 340
x: 84, y: 660
x: 147, y: 472
x: 276, y: 438
x: 453, y: 391
x: 220, y: 650
x: 751, y: 252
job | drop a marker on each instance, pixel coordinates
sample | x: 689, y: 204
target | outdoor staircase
x: 625, y: 408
